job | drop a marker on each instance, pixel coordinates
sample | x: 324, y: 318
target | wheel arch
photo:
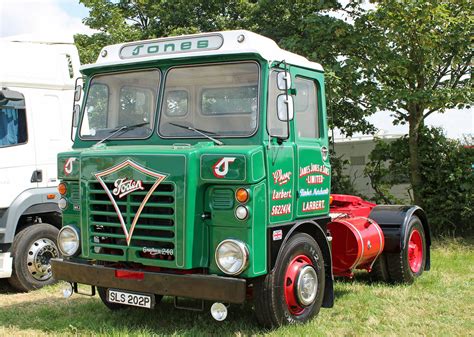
x: 394, y: 220
x: 312, y: 228
x: 29, y: 203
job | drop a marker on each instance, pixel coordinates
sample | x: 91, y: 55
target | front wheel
x: 293, y: 291
x: 32, y: 250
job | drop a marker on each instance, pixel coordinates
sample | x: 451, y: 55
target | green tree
x: 305, y: 28
x: 414, y: 59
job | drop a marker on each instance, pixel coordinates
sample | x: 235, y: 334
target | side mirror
x: 283, y: 80
x: 285, y: 108
x: 75, y: 115
x: 11, y: 95
x: 77, y: 93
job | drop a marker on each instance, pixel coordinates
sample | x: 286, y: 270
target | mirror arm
x: 287, y: 101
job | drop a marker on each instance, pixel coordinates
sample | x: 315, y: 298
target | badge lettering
x: 281, y: 178
x: 126, y: 186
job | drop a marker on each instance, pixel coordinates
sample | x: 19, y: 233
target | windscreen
x: 218, y: 100
x: 121, y: 100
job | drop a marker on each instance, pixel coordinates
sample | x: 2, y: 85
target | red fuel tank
x: 356, y: 243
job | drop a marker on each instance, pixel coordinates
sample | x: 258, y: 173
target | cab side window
x: 306, y: 108
x: 13, y: 123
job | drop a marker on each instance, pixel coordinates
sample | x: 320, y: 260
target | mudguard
x: 29, y: 202
x: 394, y: 219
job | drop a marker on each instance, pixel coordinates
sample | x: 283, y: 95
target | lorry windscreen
x: 121, y: 99
x: 222, y: 98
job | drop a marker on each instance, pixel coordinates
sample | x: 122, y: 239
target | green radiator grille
x: 153, y: 236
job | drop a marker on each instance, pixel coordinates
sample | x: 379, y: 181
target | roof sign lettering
x: 171, y: 46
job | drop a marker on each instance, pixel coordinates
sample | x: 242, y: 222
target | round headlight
x: 68, y: 241
x: 232, y: 256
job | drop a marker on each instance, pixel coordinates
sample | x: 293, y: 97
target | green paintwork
x: 197, y: 207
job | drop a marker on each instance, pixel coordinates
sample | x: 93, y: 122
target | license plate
x: 128, y: 298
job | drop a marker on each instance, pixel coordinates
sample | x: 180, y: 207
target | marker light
x: 241, y: 212
x: 62, y: 188
x: 242, y: 195
x: 331, y: 198
x: 62, y: 203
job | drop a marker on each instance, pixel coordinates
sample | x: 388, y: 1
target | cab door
x: 280, y: 152
x: 313, y: 171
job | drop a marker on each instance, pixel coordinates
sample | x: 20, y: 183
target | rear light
x: 129, y: 274
x: 62, y: 188
x: 242, y: 195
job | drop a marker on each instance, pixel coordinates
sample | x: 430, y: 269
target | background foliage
x: 447, y: 174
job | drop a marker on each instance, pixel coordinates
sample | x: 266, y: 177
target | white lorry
x: 37, y: 81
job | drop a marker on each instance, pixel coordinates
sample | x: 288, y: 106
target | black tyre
x: 379, y: 271
x: 116, y: 306
x: 293, y: 292
x: 32, y: 250
x: 409, y: 264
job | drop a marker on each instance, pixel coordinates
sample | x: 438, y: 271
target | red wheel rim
x: 415, y: 251
x: 291, y: 274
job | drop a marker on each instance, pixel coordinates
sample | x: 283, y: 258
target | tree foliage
x: 414, y: 58
x: 447, y: 178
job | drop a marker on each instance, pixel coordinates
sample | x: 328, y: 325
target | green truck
x: 200, y: 169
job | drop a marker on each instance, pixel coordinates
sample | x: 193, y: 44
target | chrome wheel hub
x: 307, y: 285
x: 39, y: 255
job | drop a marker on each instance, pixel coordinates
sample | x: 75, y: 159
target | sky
x: 61, y: 19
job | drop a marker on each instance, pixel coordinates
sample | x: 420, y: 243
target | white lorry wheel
x: 32, y: 250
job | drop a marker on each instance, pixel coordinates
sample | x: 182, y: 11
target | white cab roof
x: 28, y: 62
x: 186, y: 46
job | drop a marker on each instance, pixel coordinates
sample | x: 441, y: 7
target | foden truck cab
x: 200, y: 170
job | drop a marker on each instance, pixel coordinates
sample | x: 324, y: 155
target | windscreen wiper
x: 201, y: 132
x: 120, y: 129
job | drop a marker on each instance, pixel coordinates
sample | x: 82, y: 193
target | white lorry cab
x: 37, y: 80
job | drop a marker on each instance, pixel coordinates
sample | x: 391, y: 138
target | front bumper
x: 198, y: 286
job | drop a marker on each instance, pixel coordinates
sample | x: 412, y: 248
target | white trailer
x: 37, y: 81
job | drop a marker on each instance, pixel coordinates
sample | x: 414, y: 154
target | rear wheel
x: 293, y: 291
x: 32, y: 250
x: 406, y: 266
x: 379, y: 270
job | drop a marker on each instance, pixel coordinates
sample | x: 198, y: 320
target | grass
x: 440, y: 303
